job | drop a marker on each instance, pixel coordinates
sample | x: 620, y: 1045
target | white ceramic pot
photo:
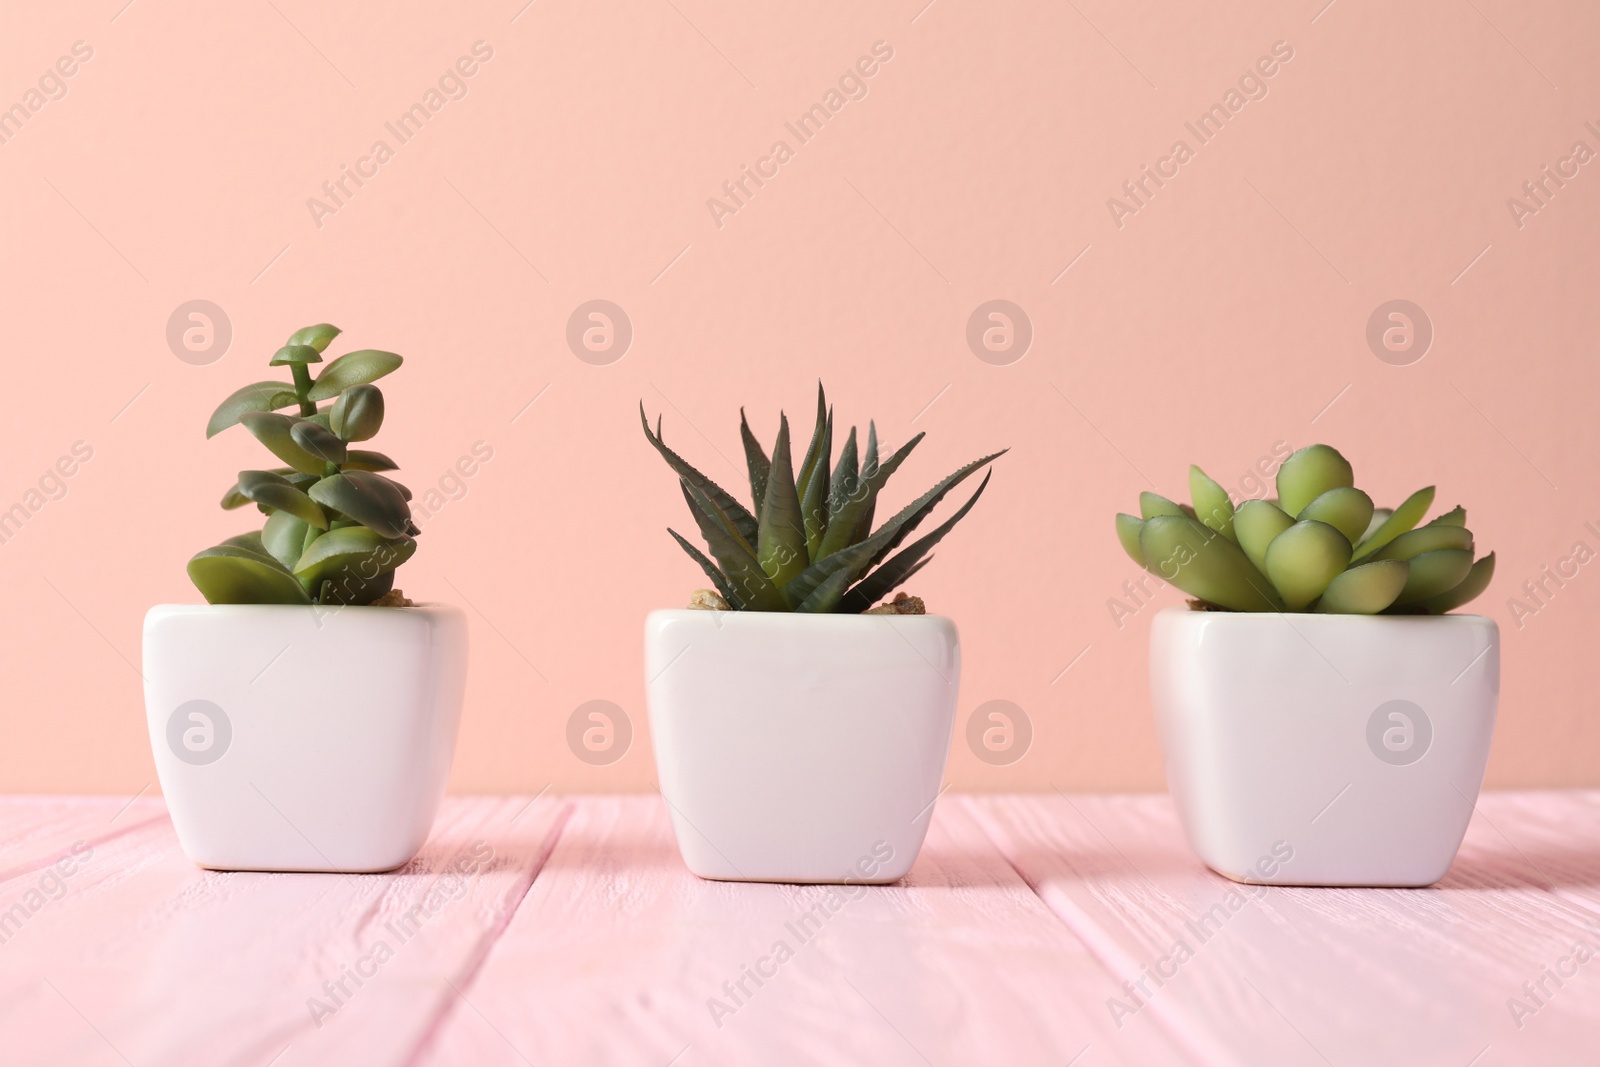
x: 801, y: 748
x: 293, y: 738
x: 1325, y: 749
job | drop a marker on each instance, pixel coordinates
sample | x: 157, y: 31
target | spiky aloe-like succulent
x: 808, y: 544
x: 1320, y: 546
x: 336, y: 529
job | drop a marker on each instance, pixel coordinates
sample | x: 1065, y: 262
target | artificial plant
x: 336, y: 528
x: 807, y: 543
x: 1321, y: 545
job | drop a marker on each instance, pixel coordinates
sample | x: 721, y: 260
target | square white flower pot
x: 801, y: 748
x: 1325, y: 749
x: 293, y: 738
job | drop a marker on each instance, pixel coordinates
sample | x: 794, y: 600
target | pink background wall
x: 1225, y: 315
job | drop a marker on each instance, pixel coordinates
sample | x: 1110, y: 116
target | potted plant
x: 1323, y: 719
x: 800, y: 732
x: 304, y: 718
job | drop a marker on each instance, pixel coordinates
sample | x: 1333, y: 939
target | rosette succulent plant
x: 807, y: 543
x: 1320, y: 546
x: 336, y: 528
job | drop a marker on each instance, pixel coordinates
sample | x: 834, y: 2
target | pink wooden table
x: 1034, y: 930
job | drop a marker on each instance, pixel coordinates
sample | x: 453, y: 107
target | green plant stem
x: 302, y: 387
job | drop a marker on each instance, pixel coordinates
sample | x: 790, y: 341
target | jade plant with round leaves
x: 336, y: 528
x: 1320, y: 546
x: 807, y: 543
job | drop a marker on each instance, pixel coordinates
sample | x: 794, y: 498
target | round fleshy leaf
x: 258, y: 396
x: 353, y: 368
x: 272, y: 430
x: 295, y: 354
x: 362, y: 459
x: 1204, y: 564
x: 1414, y: 543
x: 316, y: 337
x: 1304, y: 559
x: 1435, y: 573
x: 370, y: 499
x: 227, y: 574
x: 318, y: 440
x: 1128, y: 528
x: 1346, y: 509
x: 1468, y: 589
x: 358, y: 413
x: 1212, y: 505
x: 1456, y: 516
x: 1366, y: 589
x: 274, y: 491
x: 351, y: 556
x: 1255, y: 524
x: 284, y: 537
x: 1309, y: 473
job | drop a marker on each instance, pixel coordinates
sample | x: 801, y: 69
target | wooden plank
x: 148, y: 959
x: 38, y: 831
x: 619, y: 955
x: 1550, y: 839
x: 1303, y: 976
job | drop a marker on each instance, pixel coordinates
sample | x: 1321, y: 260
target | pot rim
x: 814, y: 618
x: 329, y: 609
x: 1177, y: 610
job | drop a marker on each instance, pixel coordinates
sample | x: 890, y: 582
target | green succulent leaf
x: 894, y: 571
x: 846, y: 482
x: 318, y: 440
x: 1365, y: 589
x: 317, y: 337
x: 1304, y: 559
x: 228, y: 574
x: 1128, y: 528
x: 361, y: 459
x: 353, y: 368
x: 1205, y: 564
x: 284, y: 537
x: 370, y: 499
x: 350, y: 556
x: 1468, y: 589
x: 258, y: 396
x: 733, y: 554
x: 1154, y: 504
x: 1456, y: 516
x: 781, y: 546
x: 718, y: 579
x: 826, y: 597
x: 755, y: 458
x: 1346, y: 509
x: 1212, y: 505
x: 1433, y: 574
x: 815, y: 478
x: 358, y: 413
x: 847, y: 520
x: 743, y: 521
x: 295, y: 354
x: 1308, y: 473
x: 1413, y: 543
x: 273, y: 430
x: 1379, y: 517
x: 1256, y: 524
x: 273, y: 490
x: 1404, y: 518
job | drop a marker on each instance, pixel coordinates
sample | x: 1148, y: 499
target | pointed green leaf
x: 258, y: 396
x: 274, y: 431
x: 317, y: 336
x: 1468, y: 589
x: 1153, y: 504
x: 353, y: 368
x: 1414, y: 543
x: 227, y: 574
x: 815, y: 480
x: 1379, y: 517
x: 1456, y: 516
x: 755, y: 458
x: 845, y: 521
x: 846, y: 481
x: 1402, y: 519
x: 1212, y: 505
x: 738, y: 561
x: 741, y: 518
x: 826, y: 597
x: 1128, y: 527
x: 782, y: 545
x: 1346, y: 509
x: 370, y: 499
x: 910, y: 516
x: 1256, y: 523
x: 718, y: 579
x: 1309, y: 473
x: 898, y: 568
x: 1433, y: 574
x: 1365, y: 589
x: 1304, y: 559
x: 1205, y: 565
